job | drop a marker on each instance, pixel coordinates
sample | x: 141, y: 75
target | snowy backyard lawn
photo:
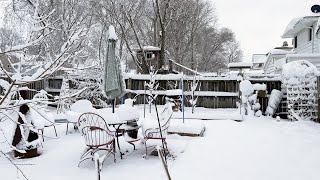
x: 257, y: 148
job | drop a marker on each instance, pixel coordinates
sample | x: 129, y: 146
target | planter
x: 29, y: 153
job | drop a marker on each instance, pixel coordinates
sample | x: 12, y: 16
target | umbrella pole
x: 113, y: 104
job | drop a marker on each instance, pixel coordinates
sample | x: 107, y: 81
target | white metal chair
x: 97, y: 136
x: 155, y: 132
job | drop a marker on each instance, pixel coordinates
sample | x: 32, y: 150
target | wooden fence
x: 213, y: 92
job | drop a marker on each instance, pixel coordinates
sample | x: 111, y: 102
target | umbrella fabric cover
x: 114, y: 83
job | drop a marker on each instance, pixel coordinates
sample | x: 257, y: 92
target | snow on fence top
x: 205, y: 77
x: 178, y: 92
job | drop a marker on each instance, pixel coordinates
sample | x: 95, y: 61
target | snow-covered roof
x: 280, y: 51
x: 259, y: 58
x: 240, y: 65
x: 297, y: 24
x: 148, y: 48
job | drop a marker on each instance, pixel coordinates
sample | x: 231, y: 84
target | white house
x: 304, y: 32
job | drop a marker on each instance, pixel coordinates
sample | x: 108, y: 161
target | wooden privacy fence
x: 212, y: 92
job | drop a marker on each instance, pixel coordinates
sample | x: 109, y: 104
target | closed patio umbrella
x: 114, y: 85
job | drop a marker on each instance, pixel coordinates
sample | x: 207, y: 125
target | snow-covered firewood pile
x: 300, y: 79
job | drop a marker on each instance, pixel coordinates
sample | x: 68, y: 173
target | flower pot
x: 29, y: 153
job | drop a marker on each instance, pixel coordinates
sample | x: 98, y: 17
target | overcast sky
x: 258, y: 24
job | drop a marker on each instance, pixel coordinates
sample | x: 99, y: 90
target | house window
x: 295, y: 42
x: 149, y: 55
x: 310, y: 33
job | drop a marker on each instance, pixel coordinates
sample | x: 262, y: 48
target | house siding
x: 304, y: 45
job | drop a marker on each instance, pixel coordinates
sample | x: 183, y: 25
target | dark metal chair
x: 97, y: 136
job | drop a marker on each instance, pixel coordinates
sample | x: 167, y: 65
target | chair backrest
x: 164, y: 117
x: 95, y: 130
x: 42, y: 99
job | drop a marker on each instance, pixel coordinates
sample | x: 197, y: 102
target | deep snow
x: 257, y: 148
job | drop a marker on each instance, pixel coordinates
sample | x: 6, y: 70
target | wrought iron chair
x: 97, y: 136
x: 156, y: 132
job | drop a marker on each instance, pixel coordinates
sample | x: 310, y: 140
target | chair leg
x: 55, y: 130
x: 67, y: 128
x: 134, y: 146
x: 145, y: 144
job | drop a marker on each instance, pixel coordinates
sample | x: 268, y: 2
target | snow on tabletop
x: 82, y: 106
x: 127, y: 112
x: 112, y: 33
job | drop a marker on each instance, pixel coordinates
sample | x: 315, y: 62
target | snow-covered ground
x: 257, y: 148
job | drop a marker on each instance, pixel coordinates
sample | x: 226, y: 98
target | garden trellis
x: 300, y: 79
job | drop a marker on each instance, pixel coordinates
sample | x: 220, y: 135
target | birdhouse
x: 151, y: 54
